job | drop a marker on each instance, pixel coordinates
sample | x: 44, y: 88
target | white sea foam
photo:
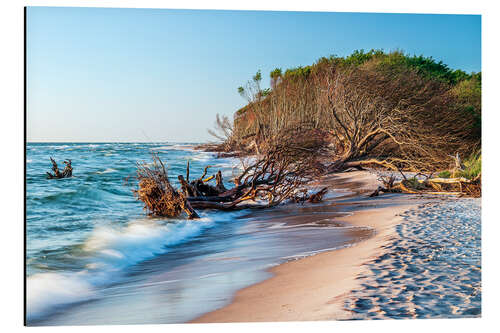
x: 175, y: 147
x: 202, y: 156
x: 117, y: 248
x: 46, y: 291
x: 311, y: 253
x: 161, y: 148
x: 59, y: 147
x: 111, y: 249
x: 108, y: 170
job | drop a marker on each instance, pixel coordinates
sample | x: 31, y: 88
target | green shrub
x: 298, y: 72
x: 444, y: 174
x: 414, y: 183
x: 472, y: 166
x: 468, y: 94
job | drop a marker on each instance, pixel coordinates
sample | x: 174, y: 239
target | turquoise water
x: 62, y: 213
x: 95, y: 257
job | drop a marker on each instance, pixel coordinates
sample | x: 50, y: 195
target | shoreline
x: 315, y: 287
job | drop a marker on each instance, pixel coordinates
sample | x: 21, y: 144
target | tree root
x: 66, y: 173
x: 267, y: 182
x: 312, y: 198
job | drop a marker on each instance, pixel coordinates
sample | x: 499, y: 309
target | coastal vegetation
x: 373, y: 108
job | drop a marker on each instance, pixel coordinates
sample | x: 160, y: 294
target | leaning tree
x: 396, y: 120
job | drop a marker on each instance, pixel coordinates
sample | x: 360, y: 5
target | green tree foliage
x: 258, y: 76
x: 276, y: 76
x: 276, y: 73
x: 398, y: 61
x: 468, y: 94
x: 265, y: 92
x: 359, y: 57
x: 252, y: 90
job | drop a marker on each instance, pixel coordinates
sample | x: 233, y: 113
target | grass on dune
x: 472, y: 167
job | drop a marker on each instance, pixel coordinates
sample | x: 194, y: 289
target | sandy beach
x: 331, y: 285
x: 348, y: 257
x: 314, y: 288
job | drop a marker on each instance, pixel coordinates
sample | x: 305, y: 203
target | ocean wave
x: 111, y: 250
x: 201, y: 157
x: 175, y: 147
x: 90, y: 146
x: 121, y: 247
x: 81, y: 196
x: 47, y: 291
x: 108, y: 170
x: 53, y: 196
x: 60, y: 147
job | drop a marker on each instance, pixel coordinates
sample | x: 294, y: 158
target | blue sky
x: 98, y: 74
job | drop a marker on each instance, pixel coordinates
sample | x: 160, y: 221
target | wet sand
x: 317, y: 287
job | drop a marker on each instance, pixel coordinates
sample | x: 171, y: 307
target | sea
x: 94, y: 256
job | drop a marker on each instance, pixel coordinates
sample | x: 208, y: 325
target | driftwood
x: 159, y: 196
x: 435, y: 186
x: 270, y: 180
x: 313, y: 198
x: 66, y: 173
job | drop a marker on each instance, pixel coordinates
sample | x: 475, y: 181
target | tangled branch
x: 268, y: 181
x: 66, y: 173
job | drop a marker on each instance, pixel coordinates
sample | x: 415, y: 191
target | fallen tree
x: 436, y: 186
x: 66, y: 173
x: 278, y: 175
x: 160, y: 198
x: 402, y: 121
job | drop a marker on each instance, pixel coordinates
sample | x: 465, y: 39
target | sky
x: 135, y: 75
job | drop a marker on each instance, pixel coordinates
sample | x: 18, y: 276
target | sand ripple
x: 431, y: 270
